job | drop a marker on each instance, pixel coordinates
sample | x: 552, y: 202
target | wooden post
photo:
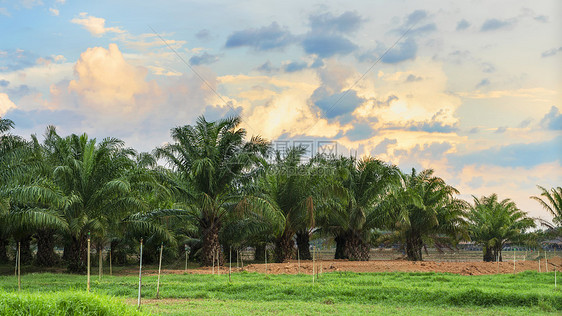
x: 213, y: 262
x: 185, y: 248
x: 313, y: 259
x: 218, y: 261
x: 19, y: 266
x: 513, y: 260
x: 555, y: 278
x: 265, y: 251
x: 100, y: 267
x: 230, y: 263
x: 237, y: 255
x: 159, y: 269
x: 110, y: 264
x: 546, y: 260
x: 140, y: 276
x: 16, y: 260
x: 299, y: 260
x: 88, y: 286
x: 539, y: 263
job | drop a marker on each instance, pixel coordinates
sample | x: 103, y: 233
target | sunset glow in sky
x: 472, y: 90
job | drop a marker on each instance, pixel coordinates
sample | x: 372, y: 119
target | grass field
x: 333, y: 293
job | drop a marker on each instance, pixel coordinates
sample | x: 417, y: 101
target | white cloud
x: 4, y: 11
x: 94, y: 25
x: 5, y: 104
x: 54, y: 11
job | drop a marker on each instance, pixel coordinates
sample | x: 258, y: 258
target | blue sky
x: 472, y: 89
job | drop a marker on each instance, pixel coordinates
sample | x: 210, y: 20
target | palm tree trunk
x: 356, y: 248
x: 77, y: 254
x: 284, y: 247
x: 46, y: 256
x: 414, y: 246
x: 26, y: 255
x: 488, y: 254
x: 303, y: 243
x: 340, y: 247
x: 211, y: 246
x: 3, y: 251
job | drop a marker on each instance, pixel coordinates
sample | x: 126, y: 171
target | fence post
x: 159, y: 269
x: 19, y: 266
x: 88, y: 286
x: 140, y: 276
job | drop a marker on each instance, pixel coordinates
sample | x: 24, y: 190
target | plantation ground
x: 337, y: 292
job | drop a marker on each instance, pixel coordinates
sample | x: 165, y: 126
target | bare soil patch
x: 462, y: 268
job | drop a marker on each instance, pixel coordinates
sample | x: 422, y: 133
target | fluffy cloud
x: 463, y: 25
x: 551, y: 52
x: 402, y: 51
x: 108, y: 83
x: 94, y: 25
x: 5, y: 104
x: 327, y: 45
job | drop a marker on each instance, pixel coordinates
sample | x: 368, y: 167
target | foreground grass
x: 62, y: 303
x: 334, y: 293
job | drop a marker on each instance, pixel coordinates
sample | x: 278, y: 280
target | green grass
x: 62, y: 303
x: 334, y: 293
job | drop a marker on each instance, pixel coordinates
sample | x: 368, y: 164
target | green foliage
x: 552, y: 202
x: 492, y: 223
x: 62, y: 303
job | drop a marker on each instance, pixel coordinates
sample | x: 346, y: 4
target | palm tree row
x: 216, y: 191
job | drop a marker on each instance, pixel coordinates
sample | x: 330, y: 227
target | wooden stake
x: 110, y: 263
x: 313, y: 258
x: 218, y: 261
x: 265, y: 251
x: 237, y: 255
x: 16, y: 260
x: 159, y: 269
x: 299, y: 260
x: 513, y: 260
x: 539, y: 264
x: 230, y: 262
x: 88, y: 286
x: 19, y: 266
x: 100, y: 267
x: 546, y: 260
x: 185, y: 248
x: 140, y: 276
x: 555, y: 278
x: 213, y: 262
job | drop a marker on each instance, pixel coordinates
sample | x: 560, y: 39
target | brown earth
x: 462, y: 268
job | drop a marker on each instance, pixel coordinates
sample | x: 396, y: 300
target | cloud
x: 263, y: 39
x: 501, y: 130
x: 267, y: 67
x: 474, y: 130
x: 94, y: 25
x: 415, y: 17
x: 41, y: 118
x: 28, y: 4
x: 295, y: 66
x: 525, y: 123
x: 4, y: 83
x: 203, y: 35
x: 326, y: 45
x: 541, y: 18
x: 488, y: 68
x: 107, y: 82
x: 5, y: 104
x: 203, y: 59
x: 339, y: 103
x: 382, y: 147
x: 54, y: 11
x: 463, y: 25
x: 476, y: 182
x: 483, y: 83
x: 347, y: 22
x: 431, y: 127
x: 4, y: 12
x: 494, y: 24
x: 11, y: 60
x: 514, y: 155
x: 415, y: 156
x: 360, y: 131
x: 551, y: 52
x: 413, y: 78
x: 553, y: 119
x: 401, y: 52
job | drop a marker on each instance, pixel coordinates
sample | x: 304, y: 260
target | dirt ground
x: 462, y: 268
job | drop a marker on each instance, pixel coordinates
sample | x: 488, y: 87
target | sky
x: 471, y: 89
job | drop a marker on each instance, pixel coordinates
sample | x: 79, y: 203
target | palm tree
x: 351, y: 214
x: 424, y: 211
x: 492, y: 223
x: 212, y: 161
x: 552, y: 202
x: 92, y: 178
